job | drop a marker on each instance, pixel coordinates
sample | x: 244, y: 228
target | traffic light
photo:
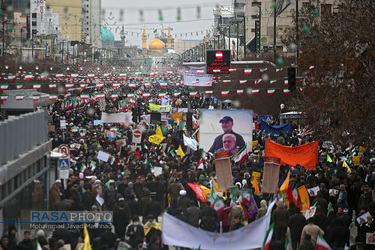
x: 291, y: 79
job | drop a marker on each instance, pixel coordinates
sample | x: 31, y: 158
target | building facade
x: 91, y: 22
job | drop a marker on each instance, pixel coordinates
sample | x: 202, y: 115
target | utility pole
x: 274, y: 30
x: 297, y: 35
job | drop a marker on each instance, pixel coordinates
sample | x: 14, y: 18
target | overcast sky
x: 131, y: 17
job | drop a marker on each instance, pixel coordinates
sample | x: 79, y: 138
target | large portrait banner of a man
x: 225, y: 130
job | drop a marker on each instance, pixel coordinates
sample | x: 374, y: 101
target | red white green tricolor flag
x: 53, y: 97
x: 162, y: 94
x: 226, y: 81
x: 263, y: 70
x: 258, y: 81
x: 85, y: 96
x: 52, y: 85
x: 272, y: 81
x: 88, y: 76
x: 224, y: 92
x: 19, y: 86
x: 99, y: 85
x: 240, y: 156
x: 114, y: 95
x: 37, y: 86
x: 132, y: 85
x: 19, y: 97
x: 321, y: 244
x: 208, y: 92
x: 28, y: 77
x: 4, y: 86
x: 286, y: 90
x: 270, y: 91
x: 130, y: 95
x: 4, y: 97
x: 255, y: 91
x: 243, y: 81
x: 83, y: 85
x: 36, y: 97
x: 146, y: 94
x: 279, y: 69
x: 116, y: 85
x: 248, y: 71
x: 193, y: 93
x: 122, y: 75
x: 59, y: 75
x: 201, y: 162
x: 175, y: 94
x: 163, y: 84
x: 11, y: 77
x: 69, y: 85
x: 268, y: 238
x: 239, y: 91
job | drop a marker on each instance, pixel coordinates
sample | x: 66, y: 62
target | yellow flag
x: 157, y: 138
x: 215, y: 186
x: 255, y: 143
x: 180, y: 152
x: 86, y: 238
x: 285, y: 185
x: 304, y: 198
x: 205, y: 191
x: 255, y: 175
x: 345, y: 165
x: 177, y: 116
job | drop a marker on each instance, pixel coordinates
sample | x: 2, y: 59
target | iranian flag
x: 272, y: 81
x: 85, y: 96
x: 69, y: 85
x: 239, y: 91
x: 163, y: 84
x: 53, y: 97
x: 132, y: 101
x: 73, y: 75
x: 43, y: 77
x: 311, y: 67
x: 52, y: 85
x: 255, y: 91
x: 162, y: 94
x: 226, y: 81
x: 82, y: 168
x: 59, y: 76
x: 19, y: 86
x: 146, y: 94
x: 232, y: 70
x: 248, y: 71
x: 92, y: 165
x: 153, y: 74
x: 19, y: 97
x: 11, y: 77
x: 293, y: 65
x: 240, y: 156
x: 175, y: 94
x: 193, y: 93
x: 321, y: 244
x: 90, y: 76
x: 243, y: 81
x: 147, y: 84
x: 37, y: 86
x: 67, y: 95
x: 270, y: 91
x: 263, y: 70
x: 4, y: 97
x: 279, y: 69
x: 4, y: 86
x: 138, y: 73
x: 122, y: 75
x: 106, y: 74
x: 116, y: 85
x: 114, y: 95
x: 130, y: 95
x: 257, y: 81
x: 36, y: 97
x: 286, y: 82
x: 224, y: 92
x: 99, y: 85
x: 268, y: 238
x: 99, y: 96
x: 286, y: 91
x: 132, y: 85
x: 28, y: 77
x: 208, y: 92
x: 201, y: 161
x: 200, y: 71
x: 83, y: 85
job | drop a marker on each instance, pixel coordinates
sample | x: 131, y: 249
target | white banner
x: 117, y: 118
x: 103, y: 156
x: 193, y: 77
x: 248, y: 237
x: 191, y: 143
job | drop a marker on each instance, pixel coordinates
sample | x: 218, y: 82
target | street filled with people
x: 140, y: 182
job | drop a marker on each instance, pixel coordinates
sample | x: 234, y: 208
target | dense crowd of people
x: 128, y: 187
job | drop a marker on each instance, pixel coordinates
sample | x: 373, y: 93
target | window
x: 33, y: 15
x: 33, y: 23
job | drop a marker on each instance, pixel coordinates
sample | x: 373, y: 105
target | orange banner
x: 305, y: 155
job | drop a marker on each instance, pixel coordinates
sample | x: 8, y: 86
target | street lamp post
x: 274, y: 30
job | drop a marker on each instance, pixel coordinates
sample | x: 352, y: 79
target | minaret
x: 144, y: 39
x: 169, y: 39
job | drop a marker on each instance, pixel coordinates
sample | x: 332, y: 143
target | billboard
x: 196, y: 76
x: 225, y: 130
x: 218, y: 61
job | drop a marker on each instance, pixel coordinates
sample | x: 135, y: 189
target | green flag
x: 155, y: 30
x: 329, y: 158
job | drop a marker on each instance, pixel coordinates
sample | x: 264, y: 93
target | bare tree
x: 338, y: 96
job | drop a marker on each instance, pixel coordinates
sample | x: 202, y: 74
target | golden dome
x: 156, y: 44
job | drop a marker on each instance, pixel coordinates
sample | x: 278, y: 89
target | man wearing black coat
x: 154, y: 207
x: 134, y: 232
x: 209, y: 218
x: 121, y: 219
x: 296, y: 224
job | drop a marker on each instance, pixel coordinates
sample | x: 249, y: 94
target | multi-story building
x: 91, y: 22
x: 69, y: 12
